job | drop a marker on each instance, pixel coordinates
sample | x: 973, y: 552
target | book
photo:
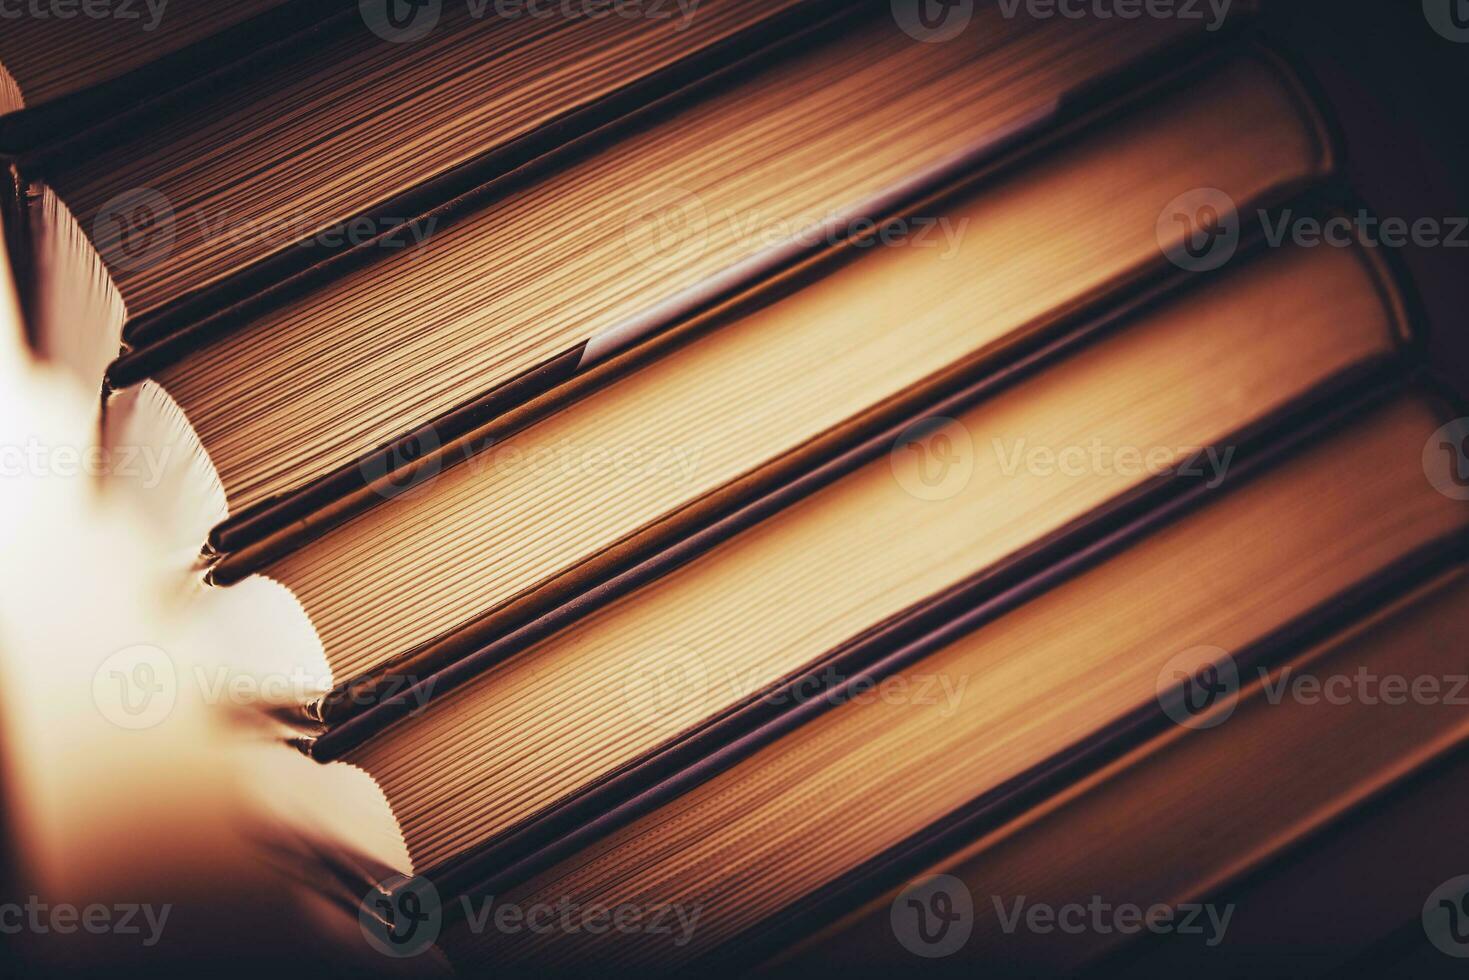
x: 1313, y: 738
x: 778, y: 602
x: 162, y: 795
x: 229, y: 195
x: 758, y: 837
x: 1403, y: 922
x: 789, y: 468
x: 287, y: 425
x: 64, y: 69
x: 755, y: 397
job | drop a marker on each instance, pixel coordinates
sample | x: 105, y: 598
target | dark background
x: 1398, y: 90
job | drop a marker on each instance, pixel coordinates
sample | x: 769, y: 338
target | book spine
x: 39, y: 135
x: 162, y: 337
x: 991, y: 810
x: 284, y: 523
x: 967, y: 606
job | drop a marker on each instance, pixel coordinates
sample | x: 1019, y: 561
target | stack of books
x: 834, y: 476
